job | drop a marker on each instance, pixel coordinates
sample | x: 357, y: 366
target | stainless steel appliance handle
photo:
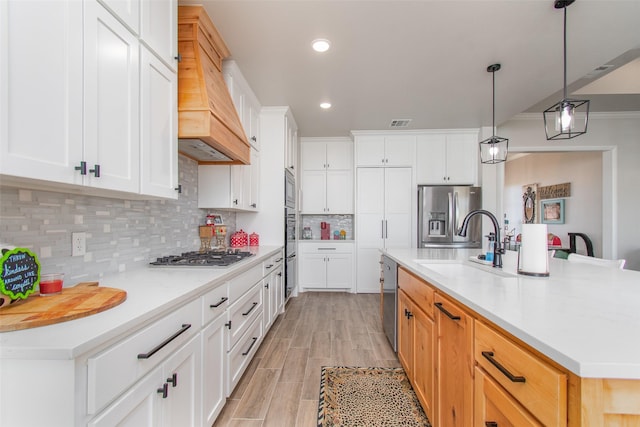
x: 456, y: 214
x: 382, y: 228
x: 386, y: 229
x: 451, y: 213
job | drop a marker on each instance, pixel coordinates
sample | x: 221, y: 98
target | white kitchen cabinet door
x: 126, y: 10
x: 339, y: 155
x: 370, y: 208
x: 314, y: 194
x: 182, y: 407
x: 400, y: 150
x: 41, y: 90
x: 462, y: 158
x: 339, y: 271
x: 312, y: 270
x: 140, y: 406
x: 159, y: 29
x: 213, y: 369
x: 431, y: 158
x: 159, y: 135
x: 398, y: 195
x: 370, y: 150
x: 339, y: 192
x: 313, y: 156
x: 111, y: 102
x: 252, y: 193
x: 278, y: 285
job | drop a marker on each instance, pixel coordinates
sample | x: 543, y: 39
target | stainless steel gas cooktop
x: 203, y: 259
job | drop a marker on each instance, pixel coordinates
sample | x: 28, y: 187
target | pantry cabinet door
x: 111, y: 98
x: 398, y: 201
x: 41, y: 90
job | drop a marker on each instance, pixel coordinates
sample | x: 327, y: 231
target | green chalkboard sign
x: 19, y: 273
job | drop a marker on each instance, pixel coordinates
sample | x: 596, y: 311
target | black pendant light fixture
x: 568, y: 118
x: 494, y: 150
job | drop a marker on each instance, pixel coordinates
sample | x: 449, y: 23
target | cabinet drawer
x: 494, y: 405
x: 272, y: 263
x: 114, y: 369
x: 240, y: 284
x: 241, y: 355
x: 326, y: 248
x: 243, y: 312
x: 214, y: 303
x: 421, y: 293
x: 538, y: 386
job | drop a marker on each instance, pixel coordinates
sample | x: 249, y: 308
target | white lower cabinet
x: 273, y: 290
x: 326, y: 265
x: 168, y: 396
x: 214, y: 366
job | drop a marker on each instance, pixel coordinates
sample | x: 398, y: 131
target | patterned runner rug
x: 368, y: 397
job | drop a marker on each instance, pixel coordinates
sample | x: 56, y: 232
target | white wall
x: 583, y: 211
x: 618, y: 136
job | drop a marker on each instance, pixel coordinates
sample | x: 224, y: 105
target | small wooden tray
x: 78, y: 301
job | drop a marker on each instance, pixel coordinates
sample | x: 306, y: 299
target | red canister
x: 254, y: 239
x: 238, y: 239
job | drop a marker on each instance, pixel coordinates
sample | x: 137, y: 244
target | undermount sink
x: 457, y: 269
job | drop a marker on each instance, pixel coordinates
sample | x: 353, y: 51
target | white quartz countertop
x: 151, y: 292
x: 584, y: 317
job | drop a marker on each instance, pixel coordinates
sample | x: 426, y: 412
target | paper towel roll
x: 534, y: 259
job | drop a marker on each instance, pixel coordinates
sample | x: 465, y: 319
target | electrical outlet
x: 78, y: 244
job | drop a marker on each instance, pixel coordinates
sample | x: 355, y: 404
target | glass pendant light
x: 494, y: 150
x: 568, y: 118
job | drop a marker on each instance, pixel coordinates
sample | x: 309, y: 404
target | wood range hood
x: 209, y: 128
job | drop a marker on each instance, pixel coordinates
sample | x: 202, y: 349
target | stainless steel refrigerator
x: 441, y: 210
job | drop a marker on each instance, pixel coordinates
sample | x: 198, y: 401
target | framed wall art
x: 552, y: 211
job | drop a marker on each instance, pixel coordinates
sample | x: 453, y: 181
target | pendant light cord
x: 565, y: 53
x: 493, y: 120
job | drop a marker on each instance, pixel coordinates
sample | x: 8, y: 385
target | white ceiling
x: 425, y: 60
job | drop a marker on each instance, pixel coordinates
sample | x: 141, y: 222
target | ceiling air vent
x: 596, y: 72
x: 400, y: 123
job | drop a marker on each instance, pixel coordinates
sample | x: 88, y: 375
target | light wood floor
x: 281, y: 385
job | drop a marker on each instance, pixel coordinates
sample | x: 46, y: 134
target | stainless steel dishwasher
x: 390, y: 299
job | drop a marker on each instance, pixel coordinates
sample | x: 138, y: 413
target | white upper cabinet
x: 41, y: 90
x: 111, y: 102
x: 385, y: 150
x: 448, y: 158
x: 81, y: 104
x: 245, y: 101
x: 157, y: 17
x: 327, y: 176
x: 159, y: 154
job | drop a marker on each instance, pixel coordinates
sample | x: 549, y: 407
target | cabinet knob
x: 178, y: 57
x: 235, y: 202
x: 254, y: 139
x: 179, y: 188
x: 253, y: 205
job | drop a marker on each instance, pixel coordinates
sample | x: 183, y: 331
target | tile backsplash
x: 121, y: 234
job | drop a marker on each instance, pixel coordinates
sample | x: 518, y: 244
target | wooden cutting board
x: 78, y: 301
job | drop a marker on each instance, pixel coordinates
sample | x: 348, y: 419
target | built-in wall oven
x: 290, y: 220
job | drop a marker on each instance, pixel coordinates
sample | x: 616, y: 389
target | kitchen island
x: 205, y: 323
x: 581, y: 322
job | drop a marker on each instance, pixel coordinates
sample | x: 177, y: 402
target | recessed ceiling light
x: 321, y: 45
x: 325, y: 105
